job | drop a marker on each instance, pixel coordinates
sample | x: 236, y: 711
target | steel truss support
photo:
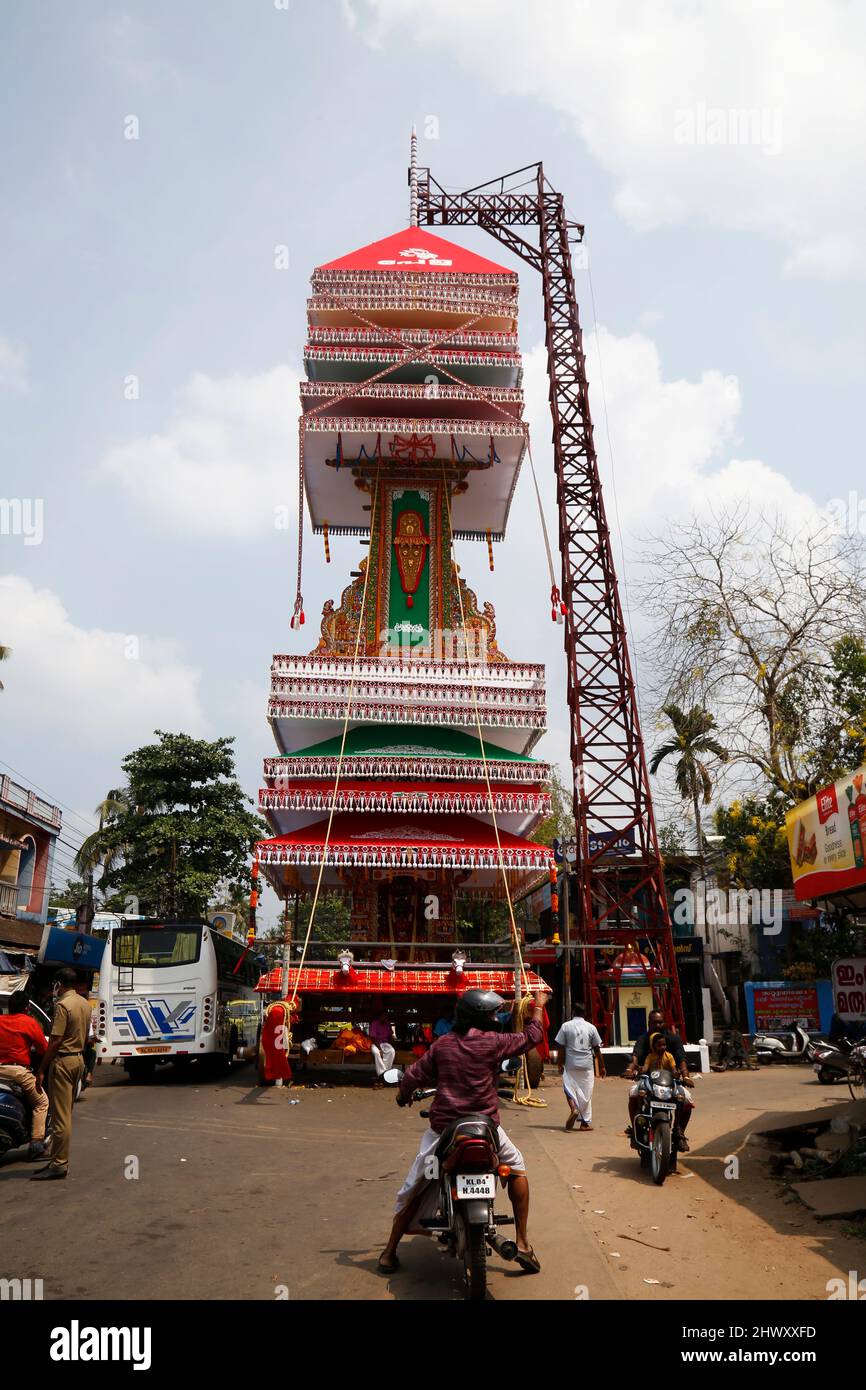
x: 621, y: 899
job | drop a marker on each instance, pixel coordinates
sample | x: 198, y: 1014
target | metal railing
x: 21, y: 799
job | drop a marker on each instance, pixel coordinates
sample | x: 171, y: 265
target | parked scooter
x: 789, y: 1047
x: 467, y: 1167
x: 830, y: 1061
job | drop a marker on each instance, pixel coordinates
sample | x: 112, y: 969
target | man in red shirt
x: 464, y: 1066
x: 21, y: 1038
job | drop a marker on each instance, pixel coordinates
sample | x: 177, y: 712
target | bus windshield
x: 155, y: 947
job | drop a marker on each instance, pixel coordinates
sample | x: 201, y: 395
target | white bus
x: 174, y: 990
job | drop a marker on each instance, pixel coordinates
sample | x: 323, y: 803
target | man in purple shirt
x: 464, y: 1066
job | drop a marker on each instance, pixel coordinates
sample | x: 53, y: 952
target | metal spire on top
x: 413, y: 179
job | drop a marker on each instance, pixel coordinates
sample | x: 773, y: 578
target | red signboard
x: 777, y: 1009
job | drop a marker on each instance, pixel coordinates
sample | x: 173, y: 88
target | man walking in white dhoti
x: 579, y: 1042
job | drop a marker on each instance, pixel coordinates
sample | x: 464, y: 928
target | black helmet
x: 477, y: 1008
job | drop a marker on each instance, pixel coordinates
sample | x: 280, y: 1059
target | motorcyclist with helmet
x: 464, y: 1066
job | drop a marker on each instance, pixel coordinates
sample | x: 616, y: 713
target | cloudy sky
x: 157, y: 155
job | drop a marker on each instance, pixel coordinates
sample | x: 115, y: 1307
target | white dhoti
x: 578, y: 1082
x: 383, y: 1056
x: 425, y: 1171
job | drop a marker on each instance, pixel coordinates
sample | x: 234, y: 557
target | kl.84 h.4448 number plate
x: 476, y: 1185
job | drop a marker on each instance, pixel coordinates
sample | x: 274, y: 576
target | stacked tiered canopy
x: 404, y: 772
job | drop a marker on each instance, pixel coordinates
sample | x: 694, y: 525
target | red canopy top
x: 407, y: 980
x: 415, y: 250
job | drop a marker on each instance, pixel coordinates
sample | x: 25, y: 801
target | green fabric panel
x: 404, y: 740
x: 398, y: 609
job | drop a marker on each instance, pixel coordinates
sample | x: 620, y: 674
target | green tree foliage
x: 838, y: 725
x: 178, y: 829
x: 755, y: 844
x: 814, y: 949
x: 559, y: 825
x: 333, y: 920
x: 73, y: 894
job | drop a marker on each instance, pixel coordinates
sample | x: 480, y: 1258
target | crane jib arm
x: 622, y: 897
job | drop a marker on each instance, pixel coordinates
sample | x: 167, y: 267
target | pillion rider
x: 674, y: 1045
x: 464, y: 1066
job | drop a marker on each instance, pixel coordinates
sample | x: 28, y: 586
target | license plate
x: 476, y: 1185
x: 153, y: 1049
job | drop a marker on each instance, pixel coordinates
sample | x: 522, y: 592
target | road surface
x: 196, y: 1188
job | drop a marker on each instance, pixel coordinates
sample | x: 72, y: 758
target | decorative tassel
x: 490, y: 549
x: 339, y: 459
x: 557, y: 607
x: 297, y: 618
x: 327, y: 546
x: 410, y: 602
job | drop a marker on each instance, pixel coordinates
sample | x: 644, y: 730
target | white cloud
x: 224, y: 462
x: 741, y: 116
x: 85, y: 687
x: 13, y: 367
x: 672, y: 441
x: 673, y: 444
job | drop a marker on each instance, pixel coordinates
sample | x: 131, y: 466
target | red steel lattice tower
x: 621, y: 896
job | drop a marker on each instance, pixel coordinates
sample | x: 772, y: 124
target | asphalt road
x: 197, y: 1188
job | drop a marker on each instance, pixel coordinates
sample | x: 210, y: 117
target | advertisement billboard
x: 827, y: 838
x: 774, y: 1006
x: 848, y: 978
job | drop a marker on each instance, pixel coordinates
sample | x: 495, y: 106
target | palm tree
x: 105, y: 846
x: 692, y: 744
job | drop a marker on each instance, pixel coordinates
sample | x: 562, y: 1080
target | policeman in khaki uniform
x: 65, y: 1056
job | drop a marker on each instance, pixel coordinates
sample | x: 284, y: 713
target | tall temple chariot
x: 404, y: 775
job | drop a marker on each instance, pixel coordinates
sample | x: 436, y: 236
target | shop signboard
x: 774, y: 1006
x: 827, y: 838
x: 848, y: 978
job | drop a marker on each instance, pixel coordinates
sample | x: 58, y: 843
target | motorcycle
x: 466, y: 1168
x: 653, y: 1125
x: 15, y: 1118
x: 830, y: 1061
x: 790, y: 1047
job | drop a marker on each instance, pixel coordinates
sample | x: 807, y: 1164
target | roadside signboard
x: 827, y: 838
x: 773, y: 1006
x: 605, y: 841
x: 848, y: 978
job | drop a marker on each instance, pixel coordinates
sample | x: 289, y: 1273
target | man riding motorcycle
x: 639, y: 1057
x: 464, y: 1066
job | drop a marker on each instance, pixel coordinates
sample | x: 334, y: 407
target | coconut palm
x: 105, y: 846
x: 692, y: 745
